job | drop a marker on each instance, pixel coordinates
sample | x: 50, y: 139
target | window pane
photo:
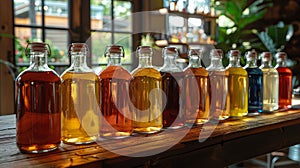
x: 24, y: 35
x: 56, y: 13
x: 99, y: 43
x: 27, y: 12
x: 122, y: 16
x: 124, y: 40
x: 58, y: 41
x: 101, y: 15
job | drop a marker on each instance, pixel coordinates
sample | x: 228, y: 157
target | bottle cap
x: 114, y: 49
x: 79, y: 47
x: 38, y: 47
x: 144, y: 50
x: 217, y: 53
x: 251, y: 55
x: 266, y: 55
x: 170, y: 51
x: 195, y: 52
x: 281, y: 55
x: 234, y: 53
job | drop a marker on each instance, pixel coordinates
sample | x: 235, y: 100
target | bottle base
x: 113, y: 135
x: 79, y: 141
x: 147, y: 130
x: 35, y: 148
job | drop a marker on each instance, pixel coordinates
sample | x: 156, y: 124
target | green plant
x: 234, y: 23
x: 275, y: 37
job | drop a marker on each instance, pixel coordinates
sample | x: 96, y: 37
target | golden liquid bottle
x: 238, y: 86
x: 146, y: 94
x: 270, y: 83
x: 38, y: 107
x: 172, y: 83
x: 79, y: 99
x: 196, y: 99
x: 218, y: 87
x: 116, y: 119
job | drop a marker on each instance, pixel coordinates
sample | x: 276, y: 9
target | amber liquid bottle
x: 238, y: 86
x: 79, y: 99
x: 38, y: 107
x: 146, y: 94
x: 270, y: 83
x: 285, y: 81
x: 116, y: 119
x: 218, y: 87
x: 196, y: 95
x: 172, y: 84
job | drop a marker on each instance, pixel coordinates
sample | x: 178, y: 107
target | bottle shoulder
x: 147, y: 72
x: 201, y: 71
x: 117, y: 72
x: 41, y: 76
x: 284, y: 70
x: 79, y: 75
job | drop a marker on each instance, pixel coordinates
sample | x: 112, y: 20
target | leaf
x: 267, y: 41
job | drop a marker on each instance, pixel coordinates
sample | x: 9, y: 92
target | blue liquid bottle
x: 255, y: 75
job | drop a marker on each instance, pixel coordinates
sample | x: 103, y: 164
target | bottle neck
x: 281, y: 63
x: 216, y: 63
x: 38, y: 61
x: 266, y: 63
x: 194, y: 62
x: 170, y: 61
x: 145, y: 60
x: 79, y: 60
x: 251, y: 63
x: 234, y: 62
x: 114, y: 59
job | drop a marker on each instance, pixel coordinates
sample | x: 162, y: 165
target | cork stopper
x: 281, y: 55
x: 216, y: 53
x: 251, y: 55
x: 266, y: 55
x: 144, y: 50
x: 170, y: 51
x: 234, y: 53
x: 114, y: 49
x: 78, y: 47
x: 38, y: 47
x: 195, y: 52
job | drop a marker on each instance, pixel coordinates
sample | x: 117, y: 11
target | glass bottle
x: 195, y: 86
x: 172, y: 78
x: 38, y: 107
x: 238, y: 86
x: 270, y: 83
x: 218, y: 87
x: 116, y: 119
x: 285, y: 81
x: 79, y: 99
x: 255, y: 76
x: 146, y: 95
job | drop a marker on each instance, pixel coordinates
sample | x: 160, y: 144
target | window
x: 51, y: 21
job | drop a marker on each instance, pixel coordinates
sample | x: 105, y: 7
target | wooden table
x: 231, y: 142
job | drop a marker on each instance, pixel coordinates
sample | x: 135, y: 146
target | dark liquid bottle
x: 38, y: 105
x: 116, y: 114
x: 255, y: 75
x: 285, y: 81
x: 196, y: 95
x: 172, y: 78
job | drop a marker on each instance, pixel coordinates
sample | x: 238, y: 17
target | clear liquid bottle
x: 172, y: 78
x: 270, y: 83
x: 285, y: 81
x: 238, y: 86
x: 79, y: 99
x: 196, y: 97
x: 116, y: 119
x: 255, y: 76
x: 218, y: 87
x: 146, y: 94
x: 38, y: 107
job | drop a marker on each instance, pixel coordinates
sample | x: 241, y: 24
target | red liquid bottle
x: 116, y: 115
x: 172, y: 81
x: 38, y: 107
x: 285, y: 81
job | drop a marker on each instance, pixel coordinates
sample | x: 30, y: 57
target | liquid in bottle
x: 116, y: 119
x: 79, y: 99
x: 38, y: 107
x: 196, y: 95
x: 146, y: 94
